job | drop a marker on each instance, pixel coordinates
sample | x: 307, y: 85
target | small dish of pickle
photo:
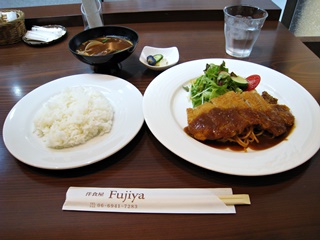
x: 159, y: 59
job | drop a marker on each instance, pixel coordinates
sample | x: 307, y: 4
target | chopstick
x: 236, y: 199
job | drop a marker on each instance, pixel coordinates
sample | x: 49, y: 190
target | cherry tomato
x: 253, y: 82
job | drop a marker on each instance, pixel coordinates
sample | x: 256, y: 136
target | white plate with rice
x: 23, y: 143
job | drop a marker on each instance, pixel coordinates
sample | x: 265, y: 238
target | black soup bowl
x: 111, y: 59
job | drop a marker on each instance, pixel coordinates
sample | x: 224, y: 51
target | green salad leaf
x: 215, y: 82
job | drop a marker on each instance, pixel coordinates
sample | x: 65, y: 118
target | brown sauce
x: 103, y: 46
x: 265, y: 142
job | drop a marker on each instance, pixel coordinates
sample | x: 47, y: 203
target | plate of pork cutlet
x: 211, y: 114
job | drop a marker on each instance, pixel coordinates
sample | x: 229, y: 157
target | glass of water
x: 91, y: 13
x: 242, y: 26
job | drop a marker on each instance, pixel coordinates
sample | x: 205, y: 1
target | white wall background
x: 307, y: 20
x: 281, y: 4
x: 25, y: 3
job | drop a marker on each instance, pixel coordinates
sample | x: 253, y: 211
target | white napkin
x: 44, y: 34
x: 148, y: 200
x: 8, y: 16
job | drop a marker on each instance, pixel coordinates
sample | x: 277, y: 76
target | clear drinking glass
x: 242, y: 26
x: 91, y: 13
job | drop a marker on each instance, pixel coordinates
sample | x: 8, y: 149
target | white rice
x: 73, y: 117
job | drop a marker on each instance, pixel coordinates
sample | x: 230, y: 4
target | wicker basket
x: 11, y: 32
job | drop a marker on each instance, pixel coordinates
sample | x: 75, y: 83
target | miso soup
x: 103, y: 46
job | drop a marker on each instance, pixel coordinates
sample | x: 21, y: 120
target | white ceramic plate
x: 170, y: 57
x: 23, y: 143
x: 164, y: 108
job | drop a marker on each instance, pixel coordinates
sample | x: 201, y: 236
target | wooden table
x: 284, y: 206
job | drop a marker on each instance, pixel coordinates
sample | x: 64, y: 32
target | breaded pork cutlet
x: 233, y: 113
